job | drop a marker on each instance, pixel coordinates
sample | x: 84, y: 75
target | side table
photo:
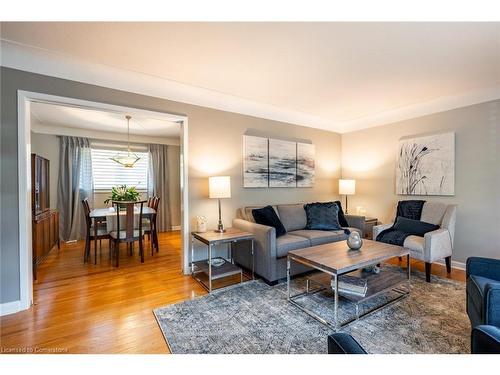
x: 370, y: 222
x: 205, y: 268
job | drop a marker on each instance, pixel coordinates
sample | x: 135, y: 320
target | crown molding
x: 50, y: 63
x: 430, y: 107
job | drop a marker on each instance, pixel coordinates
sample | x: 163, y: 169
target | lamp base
x: 219, y: 230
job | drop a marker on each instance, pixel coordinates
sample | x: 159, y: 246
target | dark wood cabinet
x: 45, y: 223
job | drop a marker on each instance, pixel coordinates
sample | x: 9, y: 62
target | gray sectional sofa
x: 270, y: 252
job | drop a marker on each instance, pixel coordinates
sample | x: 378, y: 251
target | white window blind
x: 107, y: 173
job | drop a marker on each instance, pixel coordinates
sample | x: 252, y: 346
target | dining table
x: 108, y: 214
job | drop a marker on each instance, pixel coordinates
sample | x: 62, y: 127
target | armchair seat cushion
x: 414, y: 243
x: 475, y: 290
x: 289, y: 242
x: 320, y: 237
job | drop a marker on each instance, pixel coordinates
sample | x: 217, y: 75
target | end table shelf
x: 205, y: 268
x: 218, y: 272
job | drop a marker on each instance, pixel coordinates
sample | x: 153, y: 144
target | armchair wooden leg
x: 448, y: 264
x: 428, y: 272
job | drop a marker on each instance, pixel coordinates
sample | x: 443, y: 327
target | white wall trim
x: 55, y: 64
x: 454, y: 264
x: 24, y: 185
x: 429, y: 107
x: 24, y: 98
x: 175, y: 227
x: 10, y: 307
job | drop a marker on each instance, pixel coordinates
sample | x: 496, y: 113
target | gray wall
x: 369, y: 156
x: 215, y: 147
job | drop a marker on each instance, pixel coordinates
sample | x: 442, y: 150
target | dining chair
x: 128, y: 234
x: 150, y: 227
x: 102, y: 233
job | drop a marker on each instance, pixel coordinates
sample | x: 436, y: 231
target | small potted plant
x: 123, y: 193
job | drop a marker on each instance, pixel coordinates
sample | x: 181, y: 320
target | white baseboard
x: 10, y: 308
x: 454, y: 264
x: 175, y: 227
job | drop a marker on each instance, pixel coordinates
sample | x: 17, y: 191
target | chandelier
x: 127, y: 159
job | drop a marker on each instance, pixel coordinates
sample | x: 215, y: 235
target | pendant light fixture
x: 129, y: 158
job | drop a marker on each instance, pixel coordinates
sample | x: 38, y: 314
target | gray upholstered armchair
x: 435, y: 245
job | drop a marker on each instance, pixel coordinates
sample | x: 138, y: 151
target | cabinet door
x: 46, y: 236
x: 56, y: 227
x: 37, y: 239
x: 52, y: 237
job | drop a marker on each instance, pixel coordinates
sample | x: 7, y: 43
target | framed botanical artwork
x: 426, y: 165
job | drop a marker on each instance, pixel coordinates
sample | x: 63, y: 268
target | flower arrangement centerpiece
x: 123, y: 193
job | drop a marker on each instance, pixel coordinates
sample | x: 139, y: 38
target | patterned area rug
x: 256, y: 318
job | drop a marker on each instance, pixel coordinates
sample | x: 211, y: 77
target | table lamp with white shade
x: 219, y: 187
x: 347, y: 187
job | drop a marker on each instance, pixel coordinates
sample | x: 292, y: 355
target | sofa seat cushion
x: 475, y: 290
x: 289, y: 242
x: 320, y: 237
x: 414, y: 243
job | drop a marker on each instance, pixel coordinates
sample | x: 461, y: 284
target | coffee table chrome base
x: 336, y: 324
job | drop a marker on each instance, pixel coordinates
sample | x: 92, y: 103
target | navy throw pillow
x: 414, y: 227
x: 267, y: 216
x: 322, y: 216
x: 342, y: 220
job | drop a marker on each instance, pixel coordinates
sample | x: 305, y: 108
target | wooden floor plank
x: 87, y: 308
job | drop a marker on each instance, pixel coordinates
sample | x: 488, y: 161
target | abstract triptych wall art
x: 277, y: 163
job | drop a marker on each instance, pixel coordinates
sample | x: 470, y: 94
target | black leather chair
x: 484, y: 340
x: 343, y: 343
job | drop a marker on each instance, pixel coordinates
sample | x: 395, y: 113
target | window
x: 107, y: 173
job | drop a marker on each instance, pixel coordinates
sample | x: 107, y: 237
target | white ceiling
x: 101, y: 121
x: 338, y: 73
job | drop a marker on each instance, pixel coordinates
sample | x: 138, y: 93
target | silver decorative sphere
x: 354, y: 241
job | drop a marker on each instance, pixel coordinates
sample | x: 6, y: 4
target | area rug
x: 256, y: 318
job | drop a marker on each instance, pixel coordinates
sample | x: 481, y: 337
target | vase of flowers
x: 123, y: 193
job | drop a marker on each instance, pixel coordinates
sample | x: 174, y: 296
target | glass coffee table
x: 336, y: 259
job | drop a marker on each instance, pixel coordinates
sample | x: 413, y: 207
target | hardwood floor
x: 87, y: 308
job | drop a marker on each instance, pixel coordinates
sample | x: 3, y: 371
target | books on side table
x: 352, y: 285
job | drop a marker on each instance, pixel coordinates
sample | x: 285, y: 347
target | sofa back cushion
x: 267, y: 216
x: 293, y: 216
x: 433, y: 212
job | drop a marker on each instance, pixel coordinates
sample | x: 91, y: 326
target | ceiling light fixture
x: 129, y: 158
